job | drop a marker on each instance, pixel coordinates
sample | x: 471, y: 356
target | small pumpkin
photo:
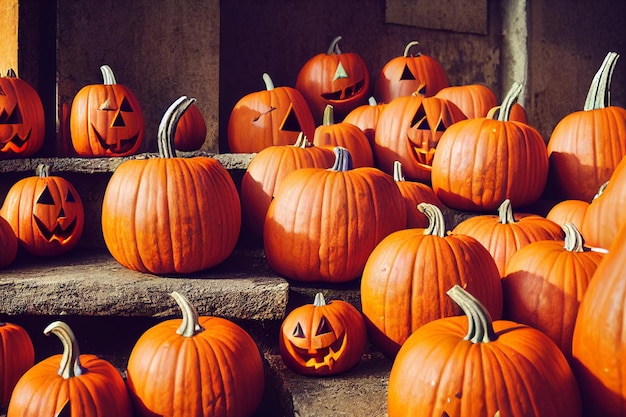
x: 191, y: 130
x: 8, y: 243
x: 365, y: 117
x: 207, y: 366
x: 17, y: 355
x: 471, y: 365
x: 45, y: 212
x: 414, y: 193
x: 70, y: 383
x: 569, y: 211
x: 106, y: 119
x: 322, y: 339
x: 22, y: 123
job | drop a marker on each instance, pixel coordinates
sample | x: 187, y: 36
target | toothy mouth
x: 346, y: 93
x: 122, y: 146
x: 16, y: 143
x: 324, y: 357
x: 59, y: 233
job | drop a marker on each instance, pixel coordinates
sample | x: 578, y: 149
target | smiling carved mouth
x: 59, y: 233
x: 16, y: 143
x: 346, y: 93
x: 322, y: 357
x: 122, y: 146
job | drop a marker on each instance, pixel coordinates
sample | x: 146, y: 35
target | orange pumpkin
x: 22, y: 123
x: 45, y: 213
x: 274, y: 116
x: 474, y: 366
x: 206, y: 366
x: 569, y: 211
x: 70, y: 383
x: 17, y: 355
x: 191, y: 130
x: 474, y: 100
x: 8, y: 243
x: 365, y: 117
x: 322, y: 339
x: 106, y: 119
x: 414, y: 193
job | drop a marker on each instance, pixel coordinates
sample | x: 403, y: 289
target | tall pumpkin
x: 22, y: 123
x: 17, y: 355
x: 168, y: 214
x: 323, y: 223
x: 106, y: 119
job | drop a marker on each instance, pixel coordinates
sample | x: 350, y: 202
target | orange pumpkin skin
x: 22, y: 123
x: 270, y: 117
x: 569, y: 211
x: 323, y: 224
x: 365, y: 117
x: 322, y: 339
x: 404, y: 75
x: 340, y: 79
x: 414, y: 193
x: 474, y: 100
x: 502, y: 368
x: 191, y: 130
x: 8, y: 243
x: 17, y: 357
x: 45, y: 212
x: 106, y: 119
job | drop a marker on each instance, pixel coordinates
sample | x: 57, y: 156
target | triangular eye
x: 419, y: 119
x: 340, y: 72
x: 323, y: 327
x: 298, y: 332
x: 125, y: 106
x: 45, y: 197
x: 441, y: 126
x: 70, y: 197
x: 15, y: 117
x: 291, y: 123
x: 407, y: 74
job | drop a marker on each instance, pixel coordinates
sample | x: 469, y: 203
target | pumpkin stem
x: 107, y: 75
x: 190, y: 326
x: 319, y: 300
x: 70, y: 361
x: 574, y: 241
x: 600, y: 190
x: 269, y: 84
x: 436, y: 222
x: 599, y: 95
x: 334, y: 46
x: 372, y: 101
x: 409, y: 46
x: 167, y: 127
x: 11, y: 73
x: 42, y: 171
x: 302, y: 141
x: 329, y: 115
x: 398, y: 173
x: 480, y: 326
x: 505, y: 213
x: 343, y: 160
x: 510, y: 99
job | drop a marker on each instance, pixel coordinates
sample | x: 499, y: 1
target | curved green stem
x: 190, y: 325
x: 398, y: 173
x: 167, y: 127
x: 107, y: 75
x: 70, y: 360
x: 334, y: 46
x: 409, y: 46
x: 436, y: 222
x: 480, y: 326
x: 505, y: 213
x: 343, y: 160
x: 509, y: 100
x: 319, y: 300
x: 329, y: 115
x: 42, y: 171
x: 574, y: 241
x: 599, y: 95
x: 302, y: 141
x: 269, y: 84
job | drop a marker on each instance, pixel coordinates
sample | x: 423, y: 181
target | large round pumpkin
x: 70, y: 384
x: 323, y: 223
x: 473, y: 366
x: 401, y: 285
x: 106, y: 119
x: 22, y: 123
x: 17, y: 355
x: 168, y: 214
x: 195, y: 366
x: 8, y: 243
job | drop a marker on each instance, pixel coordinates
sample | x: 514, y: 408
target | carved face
x: 322, y: 339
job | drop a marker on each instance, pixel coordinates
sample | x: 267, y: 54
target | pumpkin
x: 401, y: 285
x: 106, y: 119
x: 22, y: 123
x: 568, y: 211
x: 481, y: 162
x: 70, y: 384
x: 267, y: 170
x: 191, y: 130
x: 322, y: 339
x: 274, y: 116
x: 599, y: 338
x: 545, y: 282
x: 190, y: 212
x: 586, y: 146
x: 17, y: 356
x: 506, y: 233
x: 409, y: 129
x: 195, y: 366
x: 338, y: 78
x: 414, y: 193
x: 8, y: 243
x: 345, y: 135
x: 474, y: 100
x: 323, y: 223
x: 406, y: 74
x: 365, y: 117
x: 474, y: 366
x: 45, y: 212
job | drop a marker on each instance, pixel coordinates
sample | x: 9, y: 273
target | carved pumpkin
x: 340, y: 79
x: 365, y: 117
x: 22, y: 124
x: 274, y: 116
x: 190, y: 209
x: 404, y: 75
x: 409, y: 129
x: 17, y: 355
x: 45, y: 212
x: 8, y: 243
x: 106, y: 119
x: 473, y: 366
x: 206, y: 366
x: 70, y: 384
x: 191, y: 130
x: 322, y: 339
x: 414, y: 193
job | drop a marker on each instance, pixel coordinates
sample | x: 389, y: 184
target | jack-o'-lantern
x: 270, y: 117
x: 106, y: 119
x: 339, y: 79
x: 409, y: 129
x: 322, y: 339
x: 22, y: 124
x: 45, y: 212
